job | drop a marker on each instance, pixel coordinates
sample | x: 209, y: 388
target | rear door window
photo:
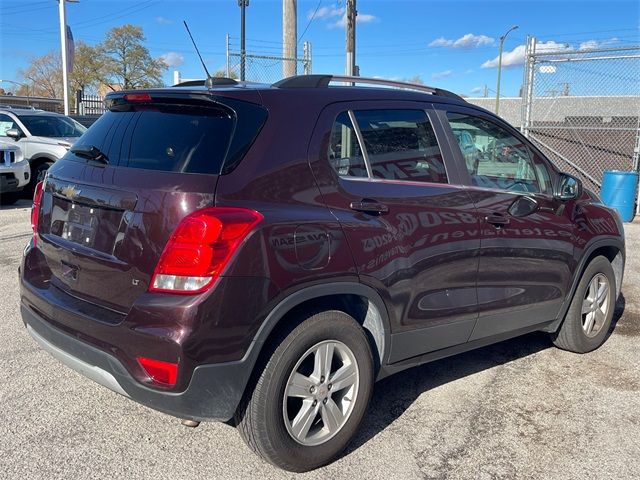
x: 401, y: 145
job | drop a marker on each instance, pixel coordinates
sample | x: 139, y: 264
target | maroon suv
x: 263, y: 254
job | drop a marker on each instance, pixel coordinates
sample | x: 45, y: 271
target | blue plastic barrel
x: 619, y: 192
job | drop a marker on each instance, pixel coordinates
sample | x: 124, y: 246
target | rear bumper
x: 213, y: 393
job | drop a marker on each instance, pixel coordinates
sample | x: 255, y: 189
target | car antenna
x: 209, y: 81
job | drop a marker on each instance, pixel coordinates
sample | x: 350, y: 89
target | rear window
x: 172, y: 138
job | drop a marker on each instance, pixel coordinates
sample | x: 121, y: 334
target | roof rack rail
x: 18, y: 107
x: 215, y: 81
x: 317, y: 81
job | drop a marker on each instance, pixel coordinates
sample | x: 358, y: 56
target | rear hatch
x: 110, y: 205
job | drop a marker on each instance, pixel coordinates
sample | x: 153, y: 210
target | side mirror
x: 14, y: 133
x: 568, y: 187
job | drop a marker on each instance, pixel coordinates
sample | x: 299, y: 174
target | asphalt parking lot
x: 518, y: 409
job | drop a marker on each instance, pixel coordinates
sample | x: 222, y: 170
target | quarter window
x: 344, y: 153
x: 495, y: 158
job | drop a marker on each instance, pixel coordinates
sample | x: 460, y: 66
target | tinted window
x: 494, y: 157
x: 401, y: 145
x: 173, y: 139
x: 179, y: 142
x: 52, y: 126
x: 344, y: 150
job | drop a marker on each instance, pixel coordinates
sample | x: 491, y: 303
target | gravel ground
x: 518, y: 409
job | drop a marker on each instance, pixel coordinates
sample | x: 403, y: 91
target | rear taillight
x: 160, y: 373
x: 200, y: 247
x: 35, y: 210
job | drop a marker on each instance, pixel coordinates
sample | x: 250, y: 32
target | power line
x: 30, y: 10
x: 310, y: 20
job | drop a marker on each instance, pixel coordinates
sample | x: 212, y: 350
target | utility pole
x: 289, y: 38
x: 63, y: 54
x: 486, y: 91
x: 502, y: 38
x: 243, y: 5
x: 351, y: 13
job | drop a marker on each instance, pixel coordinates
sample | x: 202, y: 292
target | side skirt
x: 396, y: 367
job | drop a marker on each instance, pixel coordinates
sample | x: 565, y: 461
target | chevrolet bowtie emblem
x: 70, y: 192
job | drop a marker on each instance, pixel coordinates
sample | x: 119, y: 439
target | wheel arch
x: 611, y: 248
x: 41, y: 158
x: 357, y: 300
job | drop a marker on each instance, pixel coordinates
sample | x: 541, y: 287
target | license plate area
x: 81, y: 225
x: 92, y: 227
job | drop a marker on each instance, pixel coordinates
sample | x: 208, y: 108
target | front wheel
x: 312, y: 394
x: 40, y: 172
x: 588, y: 319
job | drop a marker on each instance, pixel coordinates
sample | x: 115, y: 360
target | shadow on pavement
x: 394, y: 395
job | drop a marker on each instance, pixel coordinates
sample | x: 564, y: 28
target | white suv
x: 14, y: 173
x: 43, y: 137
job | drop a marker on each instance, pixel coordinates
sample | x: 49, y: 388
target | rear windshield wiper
x: 90, y: 152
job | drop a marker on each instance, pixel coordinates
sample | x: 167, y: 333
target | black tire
x: 260, y: 417
x: 39, y: 172
x: 571, y: 335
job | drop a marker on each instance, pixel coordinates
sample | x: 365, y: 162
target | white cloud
x: 477, y: 89
x: 468, y: 40
x: 443, y: 74
x: 594, y: 44
x: 515, y: 57
x: 331, y: 14
x: 361, y: 18
x: 172, y: 59
x: 509, y: 59
x: 326, y: 12
x: 163, y: 21
x: 441, y: 42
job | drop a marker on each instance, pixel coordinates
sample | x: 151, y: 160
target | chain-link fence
x: 265, y: 68
x: 582, y: 108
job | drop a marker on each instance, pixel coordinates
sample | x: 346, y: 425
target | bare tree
x: 128, y: 62
x: 44, y: 74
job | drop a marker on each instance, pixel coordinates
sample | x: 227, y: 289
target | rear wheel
x: 588, y: 319
x: 312, y: 394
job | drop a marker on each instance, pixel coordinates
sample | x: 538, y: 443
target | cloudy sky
x: 452, y: 44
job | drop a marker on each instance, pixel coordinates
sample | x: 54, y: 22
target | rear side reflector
x: 35, y: 210
x: 161, y: 373
x: 200, y: 247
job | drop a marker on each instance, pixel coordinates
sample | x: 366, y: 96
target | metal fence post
x: 265, y: 68
x: 228, y: 72
x: 581, y: 106
x: 529, y: 75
